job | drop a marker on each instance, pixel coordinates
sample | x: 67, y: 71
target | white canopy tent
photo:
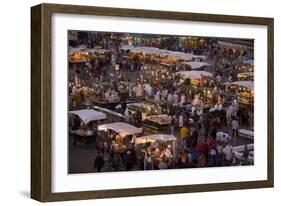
x: 195, y: 74
x: 122, y: 128
x: 196, y: 65
x: 87, y: 115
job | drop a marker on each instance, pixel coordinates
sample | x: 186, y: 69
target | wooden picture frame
x: 41, y: 117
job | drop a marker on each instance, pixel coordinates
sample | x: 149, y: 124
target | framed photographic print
x: 130, y: 102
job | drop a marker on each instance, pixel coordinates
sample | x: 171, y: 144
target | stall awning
x: 87, y: 115
x: 163, y: 52
x: 247, y: 84
x: 232, y: 45
x: 248, y: 74
x: 155, y: 137
x: 195, y: 74
x: 72, y: 50
x: 122, y: 128
x: 196, y: 65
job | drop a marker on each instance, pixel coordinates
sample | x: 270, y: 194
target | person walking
x: 235, y: 126
x: 228, y: 153
x: 181, y: 121
x: 99, y: 162
x: 184, y: 134
x: 201, y: 160
x: 128, y: 161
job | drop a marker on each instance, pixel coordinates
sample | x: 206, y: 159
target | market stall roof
x: 87, y: 115
x: 127, y: 47
x: 164, y: 52
x: 96, y: 50
x: 83, y: 49
x: 122, y: 128
x: 77, y: 49
x: 246, y: 73
x: 196, y: 65
x: 247, y: 84
x: 183, y: 55
x: 195, y: 74
x: 231, y: 45
x: 156, y: 137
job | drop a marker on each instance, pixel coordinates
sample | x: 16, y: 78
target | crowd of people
x: 197, y: 146
x: 196, y: 114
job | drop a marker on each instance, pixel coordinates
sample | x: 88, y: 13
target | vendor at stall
x: 122, y: 132
x: 158, y: 147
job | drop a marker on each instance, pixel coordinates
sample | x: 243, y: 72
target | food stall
x: 87, y: 115
x: 83, y: 132
x: 244, y: 68
x: 195, y: 64
x: 146, y: 109
x: 204, y: 97
x: 162, y: 148
x: 77, y: 56
x: 245, y: 90
x: 109, y: 104
x: 80, y: 55
x: 158, y: 122
x: 233, y: 47
x: 245, y: 76
x: 238, y: 152
x: 170, y: 140
x: 198, y: 77
x: 108, y: 97
x: 77, y: 60
x: 156, y: 55
x: 122, y: 130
